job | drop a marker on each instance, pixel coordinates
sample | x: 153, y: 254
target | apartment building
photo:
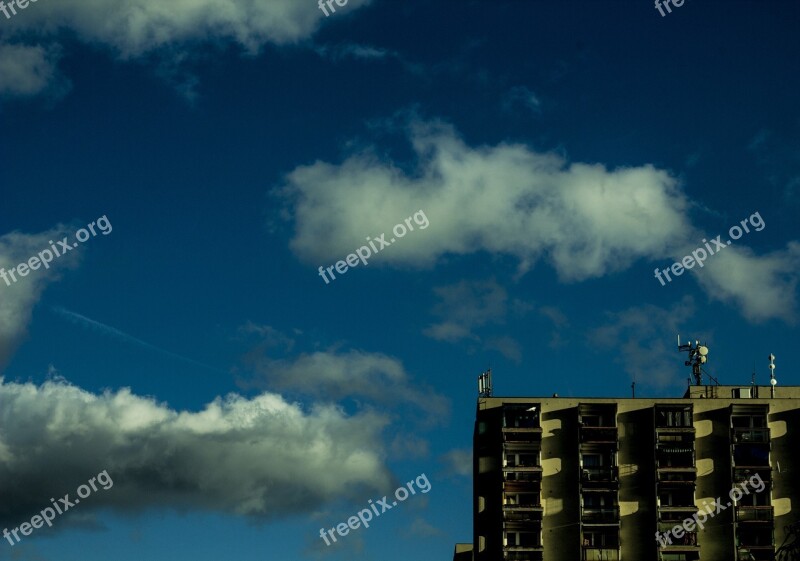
x: 585, y: 479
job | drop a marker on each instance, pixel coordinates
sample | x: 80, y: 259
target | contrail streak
x: 119, y: 335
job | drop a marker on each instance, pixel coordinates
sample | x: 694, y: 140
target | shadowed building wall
x: 566, y: 479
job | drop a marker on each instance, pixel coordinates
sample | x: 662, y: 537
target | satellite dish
x: 773, y: 382
x: 702, y: 350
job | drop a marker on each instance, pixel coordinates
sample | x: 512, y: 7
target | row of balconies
x: 523, y: 554
x: 676, y: 475
x: 600, y: 513
x: 598, y: 424
x: 675, y: 462
x: 750, y: 450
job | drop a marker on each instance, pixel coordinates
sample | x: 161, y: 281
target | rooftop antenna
x: 698, y: 355
x: 772, y: 381
x: 485, y: 384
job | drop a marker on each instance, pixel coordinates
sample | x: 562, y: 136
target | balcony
x: 522, y: 434
x: 752, y: 455
x: 608, y: 474
x: 530, y: 447
x: 672, y: 465
x: 676, y: 476
x: 673, y: 430
x: 521, y: 486
x: 523, y: 555
x: 598, y: 435
x: 523, y: 512
x: 519, y: 480
x: 601, y: 515
x: 749, y: 513
x: 522, y: 473
x: 743, y: 475
x: 757, y: 553
x: 673, y: 418
x: 749, y: 435
x: 679, y: 554
x: 687, y: 541
x: 591, y: 553
x: 525, y: 550
x: 676, y: 512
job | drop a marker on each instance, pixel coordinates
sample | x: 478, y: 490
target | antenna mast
x: 698, y: 355
x: 485, y: 384
x: 772, y: 381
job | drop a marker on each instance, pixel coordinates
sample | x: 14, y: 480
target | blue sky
x: 559, y: 153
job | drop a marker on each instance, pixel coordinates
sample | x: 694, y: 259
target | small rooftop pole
x: 772, y: 381
x: 485, y: 384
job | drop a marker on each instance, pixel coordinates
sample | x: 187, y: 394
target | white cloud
x: 18, y: 299
x: 458, y: 462
x: 135, y: 27
x: 258, y: 457
x: 642, y: 339
x: 560, y: 325
x: 334, y: 376
x: 132, y: 28
x: 506, y: 346
x: 421, y: 528
x: 269, y: 336
x: 522, y: 97
x: 762, y: 286
x: 353, y: 50
x: 448, y: 331
x: 28, y: 70
x: 406, y: 445
x: 467, y: 306
x: 584, y: 219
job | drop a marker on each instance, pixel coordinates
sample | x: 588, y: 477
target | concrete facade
x: 584, y: 479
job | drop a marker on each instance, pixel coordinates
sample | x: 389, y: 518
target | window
x: 674, y: 438
x: 592, y: 460
x: 522, y: 460
x: 591, y: 420
x: 755, y: 499
x: 751, y: 455
x: 521, y: 539
x: 522, y: 499
x: 598, y: 500
x: 600, y: 539
x: 526, y: 416
x: 676, y: 498
x: 749, y: 421
x: 674, y: 418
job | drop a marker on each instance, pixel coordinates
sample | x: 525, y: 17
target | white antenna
x: 485, y: 384
x: 698, y: 355
x: 772, y: 381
